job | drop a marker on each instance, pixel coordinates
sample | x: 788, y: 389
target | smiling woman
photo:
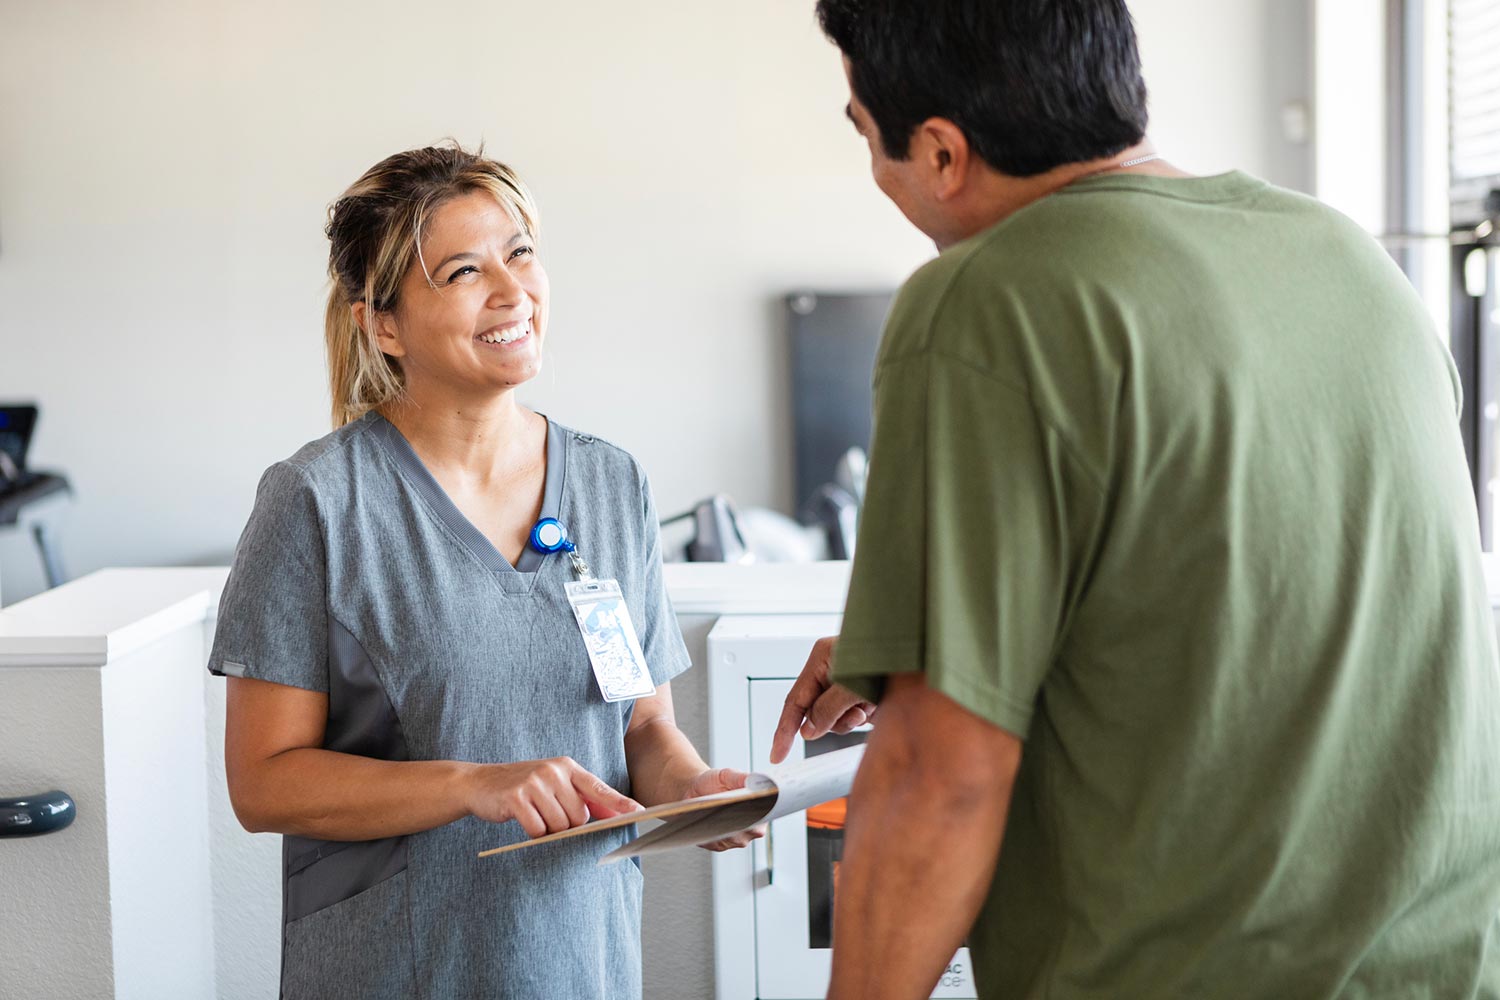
x: 406, y: 673
x: 485, y: 221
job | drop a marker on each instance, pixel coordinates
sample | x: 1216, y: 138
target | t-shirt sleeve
x: 273, y: 615
x: 661, y: 639
x: 970, y: 543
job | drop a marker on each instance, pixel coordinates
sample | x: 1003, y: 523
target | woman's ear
x: 386, y: 335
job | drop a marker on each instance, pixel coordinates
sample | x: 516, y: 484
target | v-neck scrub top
x: 358, y: 577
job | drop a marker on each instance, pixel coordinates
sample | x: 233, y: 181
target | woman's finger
x: 573, y: 804
x: 543, y: 799
x: 531, y: 821
x: 553, y: 814
x: 602, y: 800
x: 724, y: 779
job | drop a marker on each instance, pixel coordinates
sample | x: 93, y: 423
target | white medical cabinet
x: 773, y: 902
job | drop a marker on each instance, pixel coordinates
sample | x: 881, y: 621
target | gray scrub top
x: 358, y: 577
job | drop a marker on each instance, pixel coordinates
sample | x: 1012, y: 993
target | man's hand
x: 711, y: 782
x: 816, y: 705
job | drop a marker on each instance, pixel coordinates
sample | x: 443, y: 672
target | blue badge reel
x: 549, y: 536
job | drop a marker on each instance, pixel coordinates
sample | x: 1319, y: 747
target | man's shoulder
x: 976, y: 290
x: 1063, y: 261
x: 923, y: 313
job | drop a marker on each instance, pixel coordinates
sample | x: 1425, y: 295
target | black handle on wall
x: 34, y: 815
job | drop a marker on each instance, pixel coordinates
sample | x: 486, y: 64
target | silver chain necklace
x: 1117, y: 166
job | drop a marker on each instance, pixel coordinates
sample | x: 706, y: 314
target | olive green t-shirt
x: 1167, y: 480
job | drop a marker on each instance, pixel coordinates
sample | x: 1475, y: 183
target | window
x: 1442, y: 206
x: 1474, y: 84
x: 1473, y: 91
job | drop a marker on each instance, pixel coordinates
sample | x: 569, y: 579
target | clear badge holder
x: 609, y: 635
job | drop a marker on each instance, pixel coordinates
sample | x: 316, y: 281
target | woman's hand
x: 544, y: 796
x: 711, y: 782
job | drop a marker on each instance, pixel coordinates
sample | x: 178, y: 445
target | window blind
x: 1474, y: 88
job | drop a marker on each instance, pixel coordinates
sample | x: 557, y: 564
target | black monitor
x: 833, y: 338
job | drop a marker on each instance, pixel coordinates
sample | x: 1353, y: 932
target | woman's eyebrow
x: 520, y: 236
x: 462, y: 255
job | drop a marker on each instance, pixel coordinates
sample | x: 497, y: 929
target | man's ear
x: 386, y: 334
x: 945, y: 153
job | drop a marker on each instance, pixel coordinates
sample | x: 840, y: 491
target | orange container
x: 825, y: 849
x: 829, y: 815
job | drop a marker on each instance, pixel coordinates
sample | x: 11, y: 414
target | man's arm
x: 926, y: 819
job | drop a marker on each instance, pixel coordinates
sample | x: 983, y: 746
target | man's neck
x: 998, y: 196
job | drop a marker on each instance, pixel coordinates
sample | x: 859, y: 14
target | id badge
x: 608, y: 633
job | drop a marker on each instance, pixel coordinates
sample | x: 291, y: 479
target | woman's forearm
x: 664, y: 766
x: 337, y: 796
x: 662, y: 762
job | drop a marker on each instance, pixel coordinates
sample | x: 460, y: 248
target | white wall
x: 1222, y: 75
x: 166, y: 167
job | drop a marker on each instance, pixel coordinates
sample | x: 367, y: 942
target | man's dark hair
x: 1033, y: 84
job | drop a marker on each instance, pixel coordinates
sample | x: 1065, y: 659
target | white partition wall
x: 55, y: 923
x: 101, y: 696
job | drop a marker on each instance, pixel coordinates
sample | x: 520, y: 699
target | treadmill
x: 22, y: 488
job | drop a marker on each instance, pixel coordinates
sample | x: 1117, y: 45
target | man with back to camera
x: 1166, y: 485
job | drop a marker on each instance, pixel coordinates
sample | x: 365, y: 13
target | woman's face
x: 474, y: 321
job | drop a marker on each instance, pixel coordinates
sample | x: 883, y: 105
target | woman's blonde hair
x: 375, y: 233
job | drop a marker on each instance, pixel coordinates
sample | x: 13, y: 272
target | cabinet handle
x: 34, y: 815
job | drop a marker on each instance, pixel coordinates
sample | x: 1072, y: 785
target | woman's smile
x: 507, y: 336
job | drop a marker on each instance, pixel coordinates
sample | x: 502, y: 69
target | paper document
x: 778, y: 792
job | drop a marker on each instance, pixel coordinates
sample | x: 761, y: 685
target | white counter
x: 108, y: 615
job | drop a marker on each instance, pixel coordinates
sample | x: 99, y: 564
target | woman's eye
x: 466, y: 269
x: 521, y: 251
